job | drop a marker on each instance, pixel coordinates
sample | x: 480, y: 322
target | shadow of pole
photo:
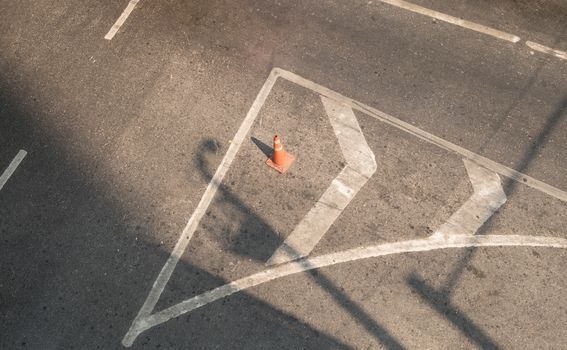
x: 509, y: 186
x: 440, y: 301
x: 75, y: 270
x: 537, y: 145
x: 377, y: 331
x: 246, y: 321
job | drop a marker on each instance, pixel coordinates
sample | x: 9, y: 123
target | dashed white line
x: 474, y: 26
x: 547, y: 50
x: 120, y: 21
x: 453, y: 20
x: 480, y: 28
x: 12, y: 167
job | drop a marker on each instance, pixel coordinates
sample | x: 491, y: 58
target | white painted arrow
x: 488, y: 196
x: 361, y: 165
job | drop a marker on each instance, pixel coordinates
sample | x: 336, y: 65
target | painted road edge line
x: 453, y: 20
x: 167, y: 270
x: 120, y: 21
x: 426, y: 136
x: 12, y: 167
x: 294, y: 267
x: 547, y: 50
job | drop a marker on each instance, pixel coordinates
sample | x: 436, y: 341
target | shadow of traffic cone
x: 281, y: 160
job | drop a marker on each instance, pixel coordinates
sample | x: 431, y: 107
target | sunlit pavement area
x: 426, y: 207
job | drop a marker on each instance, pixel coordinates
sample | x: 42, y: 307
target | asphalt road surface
x: 426, y: 208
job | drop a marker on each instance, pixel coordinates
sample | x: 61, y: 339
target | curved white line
x: 418, y: 245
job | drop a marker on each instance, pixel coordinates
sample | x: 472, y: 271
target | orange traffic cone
x: 281, y: 160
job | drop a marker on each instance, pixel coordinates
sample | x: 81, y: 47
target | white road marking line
x: 145, y: 320
x: 474, y: 26
x: 488, y: 196
x: 361, y: 165
x: 294, y: 267
x: 167, y: 270
x: 352, y: 142
x: 12, y: 167
x: 453, y: 20
x: 120, y: 21
x: 424, y: 135
x: 547, y: 50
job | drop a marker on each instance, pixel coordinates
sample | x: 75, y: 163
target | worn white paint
x: 120, y: 21
x: 290, y: 268
x: 361, y: 165
x: 146, y: 320
x: 167, y: 270
x: 547, y: 50
x: 488, y: 196
x: 480, y: 28
x: 426, y: 136
x: 453, y: 20
x: 12, y: 167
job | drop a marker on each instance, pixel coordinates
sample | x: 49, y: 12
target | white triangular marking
x: 146, y: 317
